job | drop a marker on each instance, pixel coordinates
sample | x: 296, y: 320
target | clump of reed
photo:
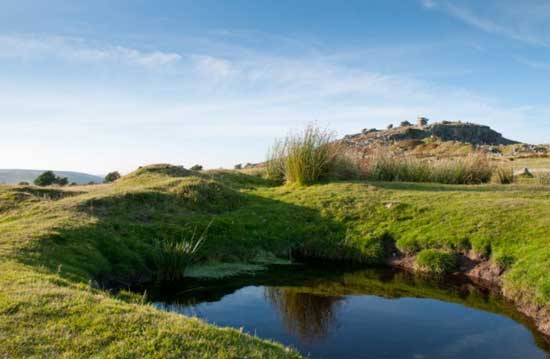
x: 171, y: 257
x: 504, y: 175
x: 304, y: 158
x: 472, y: 169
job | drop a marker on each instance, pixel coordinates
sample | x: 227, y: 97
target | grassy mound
x: 56, y: 254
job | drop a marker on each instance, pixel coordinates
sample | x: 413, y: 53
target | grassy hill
x: 14, y: 176
x: 61, y: 248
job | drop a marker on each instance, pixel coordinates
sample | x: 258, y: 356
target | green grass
x: 57, y: 251
x: 543, y: 178
x: 436, y: 262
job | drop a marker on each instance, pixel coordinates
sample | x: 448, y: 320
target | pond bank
x: 486, y: 274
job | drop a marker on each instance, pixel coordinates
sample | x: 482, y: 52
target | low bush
x: 112, y: 177
x: 49, y: 178
x: 436, y: 261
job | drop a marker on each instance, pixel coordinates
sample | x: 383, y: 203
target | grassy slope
x: 57, y: 245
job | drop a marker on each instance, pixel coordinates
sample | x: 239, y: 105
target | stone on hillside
x: 525, y: 173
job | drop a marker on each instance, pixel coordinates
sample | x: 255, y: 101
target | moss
x: 217, y: 270
x: 436, y: 261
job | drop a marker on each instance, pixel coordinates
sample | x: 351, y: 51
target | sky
x: 103, y: 85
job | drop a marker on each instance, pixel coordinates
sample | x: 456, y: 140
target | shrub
x: 238, y: 166
x: 503, y: 175
x: 196, y: 168
x: 303, y: 158
x: 45, y: 179
x: 171, y: 257
x: 62, y: 181
x: 49, y: 178
x: 436, y: 261
x: 111, y: 177
x: 543, y: 178
x: 24, y: 183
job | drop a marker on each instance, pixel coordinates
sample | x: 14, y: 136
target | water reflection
x: 308, y: 316
x: 373, y: 313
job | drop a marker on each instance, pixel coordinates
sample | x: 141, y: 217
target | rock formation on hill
x: 427, y: 140
x: 444, y: 131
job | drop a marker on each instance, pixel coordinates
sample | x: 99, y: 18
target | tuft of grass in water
x: 172, y: 257
x: 473, y: 169
x: 436, y: 261
x: 303, y: 158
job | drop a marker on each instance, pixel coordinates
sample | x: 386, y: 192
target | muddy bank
x: 487, y: 274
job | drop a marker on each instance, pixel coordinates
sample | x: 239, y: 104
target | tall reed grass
x: 504, y: 175
x: 473, y: 169
x: 303, y: 158
x: 171, y: 257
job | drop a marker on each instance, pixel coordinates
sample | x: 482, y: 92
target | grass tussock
x: 305, y: 158
x: 436, y: 261
x: 503, y: 175
x: 172, y: 257
x: 474, y: 169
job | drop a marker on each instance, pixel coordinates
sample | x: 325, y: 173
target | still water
x: 371, y: 313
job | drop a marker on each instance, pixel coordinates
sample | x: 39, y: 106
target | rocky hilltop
x: 437, y: 139
x: 444, y: 131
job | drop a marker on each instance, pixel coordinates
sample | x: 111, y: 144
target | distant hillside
x: 13, y: 176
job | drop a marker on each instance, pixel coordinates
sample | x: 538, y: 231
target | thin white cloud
x: 525, y: 21
x: 213, y: 66
x: 219, y: 109
x: 429, y: 4
x: 538, y: 65
x: 36, y: 46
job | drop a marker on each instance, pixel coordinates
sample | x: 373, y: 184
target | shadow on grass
x: 115, y: 246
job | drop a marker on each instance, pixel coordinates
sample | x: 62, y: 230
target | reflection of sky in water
x: 363, y: 326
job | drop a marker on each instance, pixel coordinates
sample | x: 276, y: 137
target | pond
x: 373, y: 313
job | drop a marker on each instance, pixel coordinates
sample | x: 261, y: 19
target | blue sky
x: 103, y: 85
